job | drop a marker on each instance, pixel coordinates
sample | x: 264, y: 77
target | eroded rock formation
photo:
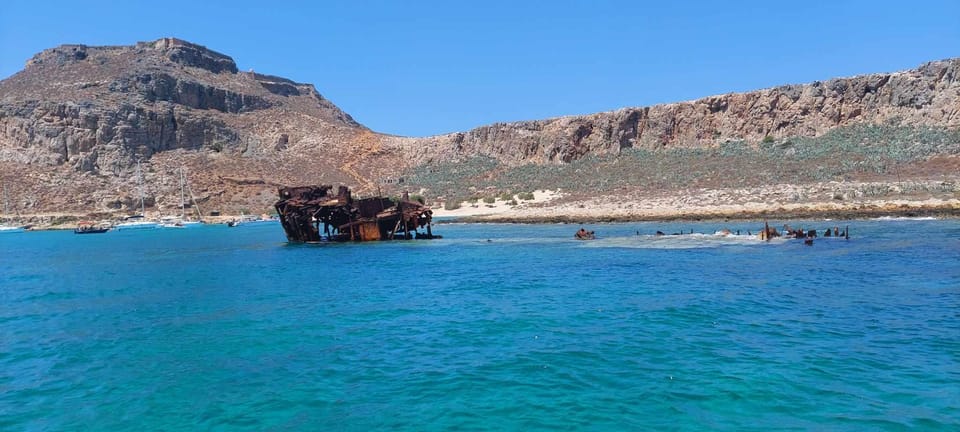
x: 99, y: 108
x: 926, y: 96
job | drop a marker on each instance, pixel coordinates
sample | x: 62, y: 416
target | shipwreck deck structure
x: 313, y: 214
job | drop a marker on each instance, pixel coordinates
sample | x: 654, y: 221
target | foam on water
x: 905, y: 218
x: 684, y: 241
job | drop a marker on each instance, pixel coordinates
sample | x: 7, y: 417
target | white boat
x: 251, y: 220
x: 171, y: 222
x: 5, y: 227
x: 137, y: 221
x: 182, y: 221
x: 176, y: 222
x: 261, y: 220
x: 9, y: 229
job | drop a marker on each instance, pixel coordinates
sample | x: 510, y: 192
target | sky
x: 418, y: 68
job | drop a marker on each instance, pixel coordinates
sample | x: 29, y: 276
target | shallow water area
x: 493, y: 327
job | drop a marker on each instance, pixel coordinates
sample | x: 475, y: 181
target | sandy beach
x: 479, y: 208
x: 822, y: 200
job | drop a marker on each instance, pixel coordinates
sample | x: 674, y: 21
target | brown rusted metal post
x: 393, y: 234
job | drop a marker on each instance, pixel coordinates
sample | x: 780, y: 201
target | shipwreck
x: 313, y: 214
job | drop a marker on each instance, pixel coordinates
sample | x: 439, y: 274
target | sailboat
x: 137, y: 221
x: 182, y: 221
x: 4, y: 226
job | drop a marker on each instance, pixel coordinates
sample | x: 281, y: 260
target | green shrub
x: 844, y: 153
x: 489, y: 200
x: 63, y: 220
x: 506, y: 196
x: 525, y: 196
x: 451, y: 205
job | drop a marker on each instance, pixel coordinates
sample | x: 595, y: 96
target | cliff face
x: 74, y: 122
x: 926, y: 96
x: 101, y: 108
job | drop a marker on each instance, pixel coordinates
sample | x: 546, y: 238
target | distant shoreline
x: 71, y: 221
x: 744, y: 216
x: 773, y: 202
x: 945, y: 212
x: 554, y: 207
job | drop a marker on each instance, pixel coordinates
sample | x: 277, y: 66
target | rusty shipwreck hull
x: 314, y: 214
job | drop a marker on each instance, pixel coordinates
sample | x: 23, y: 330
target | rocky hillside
x: 75, y: 121
x: 99, y: 107
x: 926, y: 96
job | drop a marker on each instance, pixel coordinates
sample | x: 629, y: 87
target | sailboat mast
x: 196, y: 205
x: 6, y: 209
x: 182, y: 203
x: 193, y: 200
x: 140, y: 188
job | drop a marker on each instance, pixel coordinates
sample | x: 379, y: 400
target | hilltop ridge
x: 926, y: 96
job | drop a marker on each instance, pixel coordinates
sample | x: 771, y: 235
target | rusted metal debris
x: 314, y: 214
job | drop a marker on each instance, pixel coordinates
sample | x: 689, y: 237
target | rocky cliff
x: 926, y: 96
x: 101, y: 107
x: 76, y: 119
x: 74, y: 122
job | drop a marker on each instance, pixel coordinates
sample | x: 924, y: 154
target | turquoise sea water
x: 232, y: 329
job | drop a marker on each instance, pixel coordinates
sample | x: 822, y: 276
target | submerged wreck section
x: 314, y: 214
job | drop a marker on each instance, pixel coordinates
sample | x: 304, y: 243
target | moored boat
x: 183, y: 221
x: 6, y: 227
x: 85, y: 227
x: 136, y: 222
x: 9, y: 229
x: 177, y: 222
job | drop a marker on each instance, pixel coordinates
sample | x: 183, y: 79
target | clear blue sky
x: 428, y: 67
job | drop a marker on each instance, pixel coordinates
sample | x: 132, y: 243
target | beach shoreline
x: 837, y: 201
x: 613, y: 213
x: 811, y: 214
x: 70, y: 221
x: 775, y: 202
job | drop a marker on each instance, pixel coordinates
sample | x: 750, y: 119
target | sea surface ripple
x: 494, y: 327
